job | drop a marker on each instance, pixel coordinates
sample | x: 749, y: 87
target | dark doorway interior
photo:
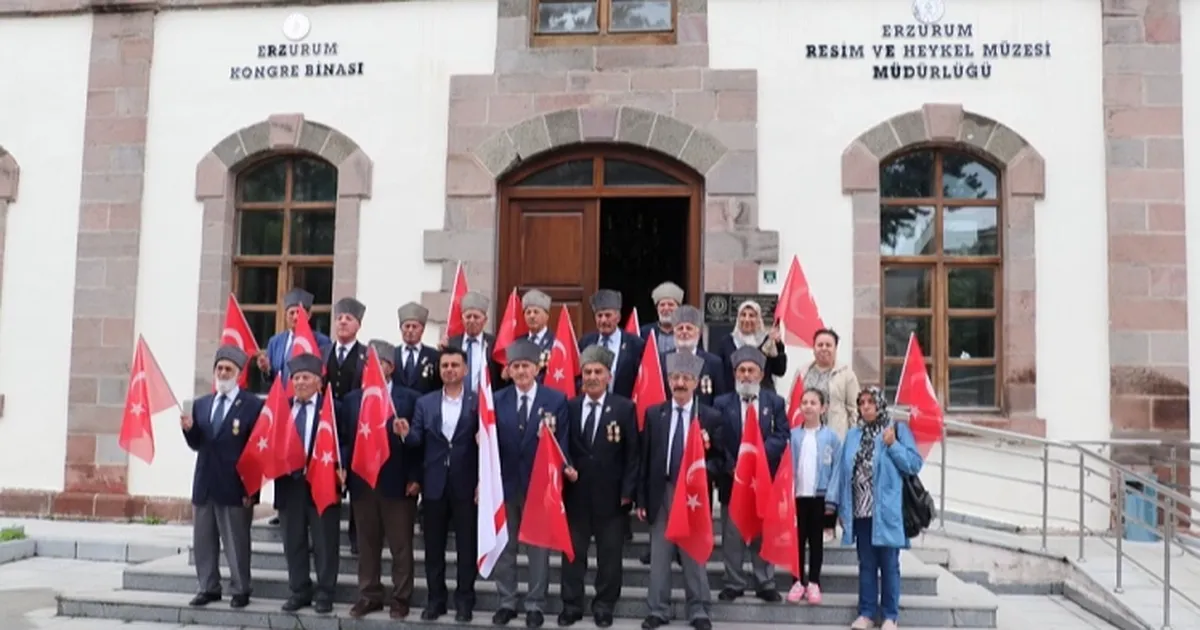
x: 643, y: 242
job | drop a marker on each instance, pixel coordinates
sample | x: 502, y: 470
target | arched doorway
x: 600, y: 216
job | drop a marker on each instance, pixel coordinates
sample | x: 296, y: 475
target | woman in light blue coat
x: 867, y: 491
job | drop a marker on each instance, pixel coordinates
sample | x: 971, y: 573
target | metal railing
x: 1085, y: 461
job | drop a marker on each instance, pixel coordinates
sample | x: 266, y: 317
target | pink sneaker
x: 814, y: 594
x: 797, y: 593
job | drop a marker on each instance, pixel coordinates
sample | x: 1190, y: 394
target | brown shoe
x: 364, y: 607
x: 399, y: 609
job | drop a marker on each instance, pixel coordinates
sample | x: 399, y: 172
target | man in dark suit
x: 749, y: 363
x: 293, y: 498
x: 536, y: 306
x: 444, y: 427
x: 389, y: 510
x: 521, y: 409
x: 626, y: 348
x: 217, y: 427
x: 344, y: 363
x: 279, y: 347
x: 416, y: 363
x: 602, y: 447
x: 689, y: 321
x: 663, y: 440
x: 477, y: 346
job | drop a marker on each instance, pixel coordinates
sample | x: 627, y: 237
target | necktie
x: 341, y: 353
x: 470, y: 364
x: 523, y: 412
x: 302, y: 423
x: 606, y: 341
x: 219, y: 416
x: 676, y: 445
x: 589, y: 426
x: 410, y: 365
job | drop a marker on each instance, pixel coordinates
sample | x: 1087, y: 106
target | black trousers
x: 301, y: 526
x: 440, y: 516
x: 609, y: 534
x: 811, y: 523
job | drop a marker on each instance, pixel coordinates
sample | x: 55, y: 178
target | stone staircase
x: 158, y: 591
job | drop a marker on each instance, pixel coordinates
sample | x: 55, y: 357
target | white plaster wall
x: 43, y: 130
x: 810, y: 110
x: 1189, y: 17
x: 397, y: 112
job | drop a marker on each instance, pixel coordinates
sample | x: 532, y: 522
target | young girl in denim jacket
x: 814, y: 446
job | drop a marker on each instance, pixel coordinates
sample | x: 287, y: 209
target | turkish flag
x: 326, y: 460
x: 689, y: 524
x: 563, y: 365
x: 454, y: 322
x: 795, y: 418
x: 512, y: 327
x: 796, y: 310
x: 780, y: 540
x: 148, y: 394
x: 632, y: 326
x: 236, y: 332
x: 303, y: 342
x: 751, y: 480
x: 916, y: 391
x: 372, y: 447
x: 544, y: 519
x: 258, y: 461
x: 649, y: 389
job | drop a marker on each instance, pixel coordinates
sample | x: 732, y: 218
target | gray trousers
x: 215, y: 526
x: 733, y: 554
x: 505, y: 572
x: 662, y: 553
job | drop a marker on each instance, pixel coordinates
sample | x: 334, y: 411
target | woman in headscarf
x: 839, y: 382
x: 866, y: 490
x: 750, y: 331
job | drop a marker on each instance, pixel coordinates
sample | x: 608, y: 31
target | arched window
x: 940, y: 253
x: 285, y: 228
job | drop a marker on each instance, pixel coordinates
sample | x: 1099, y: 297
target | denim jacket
x: 887, y: 524
x: 827, y: 448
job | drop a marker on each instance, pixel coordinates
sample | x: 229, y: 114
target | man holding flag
x: 217, y: 427
x: 521, y: 408
x: 280, y: 346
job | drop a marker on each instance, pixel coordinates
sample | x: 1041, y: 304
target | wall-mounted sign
x: 296, y: 58
x: 926, y: 48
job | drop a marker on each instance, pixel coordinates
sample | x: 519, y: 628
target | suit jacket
x: 712, y: 383
x: 494, y: 368
x: 277, y: 354
x: 547, y: 345
x: 628, y: 360
x: 653, y: 329
x: 403, y: 464
x: 519, y: 441
x: 607, y: 462
x: 440, y: 456
x: 776, y: 366
x: 656, y: 444
x: 215, y: 478
x: 282, y: 484
x: 426, y: 377
x: 346, y: 377
x: 772, y: 422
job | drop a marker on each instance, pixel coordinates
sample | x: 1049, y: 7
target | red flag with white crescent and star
x: 304, y: 341
x: 512, y: 328
x: 454, y: 322
x: 796, y: 310
x: 632, y: 325
x: 258, y: 461
x: 326, y: 460
x: 148, y: 394
x: 563, y: 365
x: 690, y: 523
x: 544, y: 521
x: 649, y: 389
x: 751, y: 479
x: 925, y: 416
x: 780, y: 537
x: 236, y: 332
x: 372, y: 446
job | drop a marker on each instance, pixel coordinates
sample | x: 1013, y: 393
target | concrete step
x: 172, y: 608
x: 916, y: 577
x: 959, y: 605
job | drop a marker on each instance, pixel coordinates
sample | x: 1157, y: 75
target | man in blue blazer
x: 521, y: 409
x: 416, y: 363
x: 389, y: 510
x: 279, y: 347
x: 293, y: 497
x: 627, y: 349
x: 689, y: 322
x: 536, y: 307
x: 749, y: 363
x: 444, y: 428
x: 217, y: 427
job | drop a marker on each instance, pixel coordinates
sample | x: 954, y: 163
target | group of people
x: 844, y: 471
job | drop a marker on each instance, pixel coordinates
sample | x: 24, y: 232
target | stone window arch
x: 1021, y: 174
x: 281, y: 200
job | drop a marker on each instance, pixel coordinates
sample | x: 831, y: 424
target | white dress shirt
x: 587, y: 409
x: 614, y: 346
x: 451, y: 411
x: 478, y: 358
x: 347, y: 347
x: 687, y: 423
x: 311, y: 420
x: 531, y: 394
x: 216, y: 403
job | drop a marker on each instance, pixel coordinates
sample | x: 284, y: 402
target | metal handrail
x: 1088, y: 462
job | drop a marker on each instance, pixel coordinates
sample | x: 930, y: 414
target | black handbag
x: 918, y: 507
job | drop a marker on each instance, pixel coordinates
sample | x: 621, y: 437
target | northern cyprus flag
x: 493, y: 520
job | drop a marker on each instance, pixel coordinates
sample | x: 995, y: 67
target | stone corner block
x: 942, y: 120
x: 1027, y: 174
x: 438, y: 303
x: 497, y: 154
x: 212, y: 178
x: 762, y: 246
x: 284, y: 130
x: 10, y: 176
x: 478, y: 246
x: 355, y: 175
x: 860, y: 169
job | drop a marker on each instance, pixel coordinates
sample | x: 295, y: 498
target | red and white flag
x: 563, y: 365
x: 795, y: 418
x: 544, y: 519
x: 649, y: 389
x: 148, y: 394
x: 236, y: 332
x: 304, y: 341
x: 780, y: 538
x: 454, y: 322
x: 512, y: 328
x: 372, y: 446
x: 492, y: 526
x: 751, y: 480
x: 796, y: 311
x: 326, y: 458
x: 632, y: 326
x: 916, y: 391
x: 259, y: 461
x: 690, y: 522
